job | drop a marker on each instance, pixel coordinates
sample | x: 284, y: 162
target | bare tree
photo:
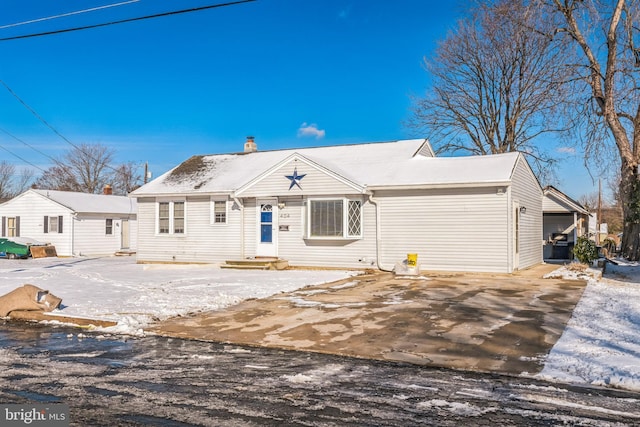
x: 11, y: 183
x: 126, y: 178
x: 606, y: 34
x: 495, y: 85
x: 86, y: 168
x: 90, y: 165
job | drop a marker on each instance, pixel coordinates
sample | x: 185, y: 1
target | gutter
x: 378, y: 239
x: 436, y: 186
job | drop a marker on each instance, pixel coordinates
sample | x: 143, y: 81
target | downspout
x: 74, y: 216
x: 378, y: 238
x: 241, y: 206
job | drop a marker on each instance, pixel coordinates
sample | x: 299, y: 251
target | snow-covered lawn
x: 600, y: 346
x: 601, y: 343
x: 134, y: 295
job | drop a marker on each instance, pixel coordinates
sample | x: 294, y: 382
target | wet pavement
x: 115, y: 380
x: 481, y: 322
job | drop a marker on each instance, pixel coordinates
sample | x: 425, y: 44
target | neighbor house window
x: 11, y: 227
x: 219, y: 211
x: 108, y: 227
x: 52, y: 224
x: 171, y: 217
x: 335, y: 218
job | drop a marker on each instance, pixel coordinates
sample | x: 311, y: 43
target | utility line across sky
x: 122, y: 21
x: 64, y: 15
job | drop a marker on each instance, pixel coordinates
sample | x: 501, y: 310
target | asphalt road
x: 110, y: 380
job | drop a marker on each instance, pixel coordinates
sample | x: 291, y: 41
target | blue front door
x: 266, y: 223
x: 267, y: 239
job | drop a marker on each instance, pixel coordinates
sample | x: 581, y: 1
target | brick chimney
x: 107, y: 190
x: 250, y: 146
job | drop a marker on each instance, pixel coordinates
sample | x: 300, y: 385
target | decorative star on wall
x: 295, y: 178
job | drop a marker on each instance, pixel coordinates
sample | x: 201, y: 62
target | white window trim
x: 345, y: 219
x: 113, y: 225
x: 14, y: 228
x: 212, y: 219
x: 171, y: 217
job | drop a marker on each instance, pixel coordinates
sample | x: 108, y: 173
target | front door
x: 124, y: 234
x: 267, y: 228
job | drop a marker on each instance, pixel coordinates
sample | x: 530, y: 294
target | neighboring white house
x: 361, y: 205
x: 75, y: 223
x: 564, y: 220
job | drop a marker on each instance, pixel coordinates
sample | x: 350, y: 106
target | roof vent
x: 250, y: 146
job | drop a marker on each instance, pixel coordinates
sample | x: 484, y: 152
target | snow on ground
x: 600, y: 346
x: 134, y: 295
x: 601, y: 343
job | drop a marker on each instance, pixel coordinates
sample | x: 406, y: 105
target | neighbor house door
x: 124, y: 231
x: 267, y: 227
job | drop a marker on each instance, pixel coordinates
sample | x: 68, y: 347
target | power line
x: 54, y: 130
x: 28, y: 145
x: 38, y: 116
x: 64, y: 15
x: 21, y: 158
x: 140, y: 18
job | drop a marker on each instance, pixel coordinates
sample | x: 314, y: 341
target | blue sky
x: 292, y: 73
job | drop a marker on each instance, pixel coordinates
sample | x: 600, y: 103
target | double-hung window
x: 53, y: 224
x: 108, y: 227
x: 334, y: 218
x: 12, y: 227
x: 218, y: 211
x: 171, y: 217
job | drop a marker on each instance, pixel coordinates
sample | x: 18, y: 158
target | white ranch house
x: 76, y: 224
x: 351, y: 206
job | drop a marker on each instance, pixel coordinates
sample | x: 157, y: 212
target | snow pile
x: 601, y: 343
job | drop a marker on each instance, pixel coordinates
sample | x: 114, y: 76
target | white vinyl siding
x: 316, y: 182
x: 82, y: 234
x: 91, y: 238
x: 31, y: 209
x: 201, y: 243
x: 344, y: 253
x: 454, y: 230
x: 526, y: 192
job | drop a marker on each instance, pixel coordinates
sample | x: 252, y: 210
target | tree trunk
x: 630, y: 195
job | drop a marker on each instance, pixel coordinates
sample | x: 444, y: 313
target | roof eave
x: 448, y: 185
x: 182, y: 194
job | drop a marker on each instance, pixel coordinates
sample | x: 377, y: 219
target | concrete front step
x: 257, y: 264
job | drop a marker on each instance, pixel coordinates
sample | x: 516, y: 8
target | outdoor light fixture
x: 523, y: 210
x: 281, y: 205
